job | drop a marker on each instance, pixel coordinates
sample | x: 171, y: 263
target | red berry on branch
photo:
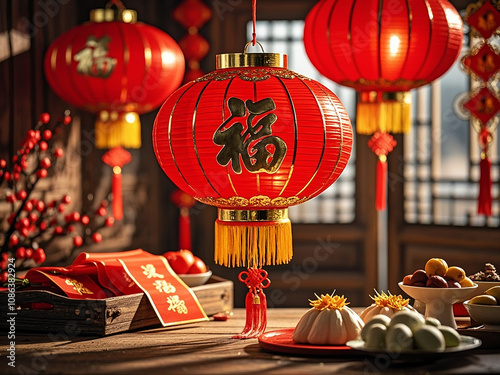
x: 45, y: 163
x: 33, y: 217
x: 85, y: 220
x: 109, y: 221
x: 21, y: 195
x: 11, y: 218
x: 101, y: 211
x: 20, y: 253
x: 6, y: 176
x: 97, y: 237
x: 28, y: 206
x: 15, y: 158
x: 76, y: 216
x: 14, y: 240
x: 41, y: 173
x: 4, y: 276
x: 5, y: 256
x: 24, y: 164
x: 77, y: 241
x: 11, y: 198
x: 47, y: 134
x: 70, y: 229
x: 24, y: 232
x: 53, y: 222
x: 24, y: 222
x: 43, y: 146
x: 3, y: 163
x: 58, y: 230
x: 44, y: 118
x: 37, y: 135
x: 61, y: 207
x: 66, y: 199
x: 67, y: 120
x: 16, y: 168
x: 43, y: 225
x: 104, y: 204
x: 29, y: 252
x: 58, y: 152
x: 31, y: 133
x: 30, y: 145
x: 39, y: 255
x: 15, y: 177
x: 1, y: 173
x: 40, y: 206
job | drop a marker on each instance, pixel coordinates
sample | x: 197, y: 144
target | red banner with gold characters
x: 102, y: 275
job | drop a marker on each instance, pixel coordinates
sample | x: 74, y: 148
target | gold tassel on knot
x: 115, y: 130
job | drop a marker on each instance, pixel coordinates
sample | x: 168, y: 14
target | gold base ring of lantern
x: 388, y: 112
x: 252, y: 238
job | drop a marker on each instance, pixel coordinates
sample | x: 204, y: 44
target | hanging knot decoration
x: 255, y: 302
x: 381, y: 144
x: 192, y: 15
x: 117, y: 68
x: 383, y: 49
x: 117, y: 158
x: 483, y: 63
x: 252, y: 138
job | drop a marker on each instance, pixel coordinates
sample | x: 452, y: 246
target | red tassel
x: 381, y: 189
x: 485, y: 199
x: 116, y: 189
x: 184, y: 229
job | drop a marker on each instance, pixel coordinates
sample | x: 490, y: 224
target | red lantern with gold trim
x: 383, y: 49
x: 252, y: 138
x: 115, y: 67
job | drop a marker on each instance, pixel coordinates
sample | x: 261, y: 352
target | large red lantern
x: 252, y: 138
x: 117, y: 68
x: 383, y: 49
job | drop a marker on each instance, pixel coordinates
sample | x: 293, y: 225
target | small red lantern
x: 115, y: 67
x: 252, y: 138
x: 383, y: 49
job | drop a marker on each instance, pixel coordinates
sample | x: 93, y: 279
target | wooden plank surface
x: 206, y: 348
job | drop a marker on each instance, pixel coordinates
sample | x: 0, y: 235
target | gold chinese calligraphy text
x: 176, y: 304
x: 150, y: 271
x: 93, y: 59
x: 78, y: 287
x: 259, y: 150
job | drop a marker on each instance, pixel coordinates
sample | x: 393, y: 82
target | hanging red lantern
x: 117, y: 68
x: 252, y: 138
x: 383, y: 49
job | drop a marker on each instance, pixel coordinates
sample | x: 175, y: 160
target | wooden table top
x: 207, y: 348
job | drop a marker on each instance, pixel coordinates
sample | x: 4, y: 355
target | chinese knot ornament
x: 383, y: 49
x: 252, y: 138
x: 117, y: 68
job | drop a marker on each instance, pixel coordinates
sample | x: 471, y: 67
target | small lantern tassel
x: 255, y: 302
x: 116, y: 189
x: 485, y: 199
x: 381, y: 192
x: 113, y: 130
x: 184, y: 229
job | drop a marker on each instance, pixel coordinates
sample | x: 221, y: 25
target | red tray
x: 281, y: 341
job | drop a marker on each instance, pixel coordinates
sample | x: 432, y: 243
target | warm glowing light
x: 394, y: 44
x: 130, y: 118
x: 167, y: 57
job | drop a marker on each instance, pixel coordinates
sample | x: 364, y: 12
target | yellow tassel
x: 383, y: 112
x: 253, y: 244
x: 118, y: 131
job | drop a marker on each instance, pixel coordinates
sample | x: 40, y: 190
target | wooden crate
x: 72, y: 317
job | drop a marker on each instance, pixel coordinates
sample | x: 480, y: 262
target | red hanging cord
x: 254, y: 18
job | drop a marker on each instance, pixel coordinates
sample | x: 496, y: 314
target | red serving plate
x: 281, y: 341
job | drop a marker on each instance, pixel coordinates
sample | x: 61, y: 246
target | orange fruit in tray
x: 455, y: 273
x: 436, y: 267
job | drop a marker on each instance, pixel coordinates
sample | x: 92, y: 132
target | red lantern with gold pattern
x: 115, y: 67
x: 383, y: 49
x: 252, y: 138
